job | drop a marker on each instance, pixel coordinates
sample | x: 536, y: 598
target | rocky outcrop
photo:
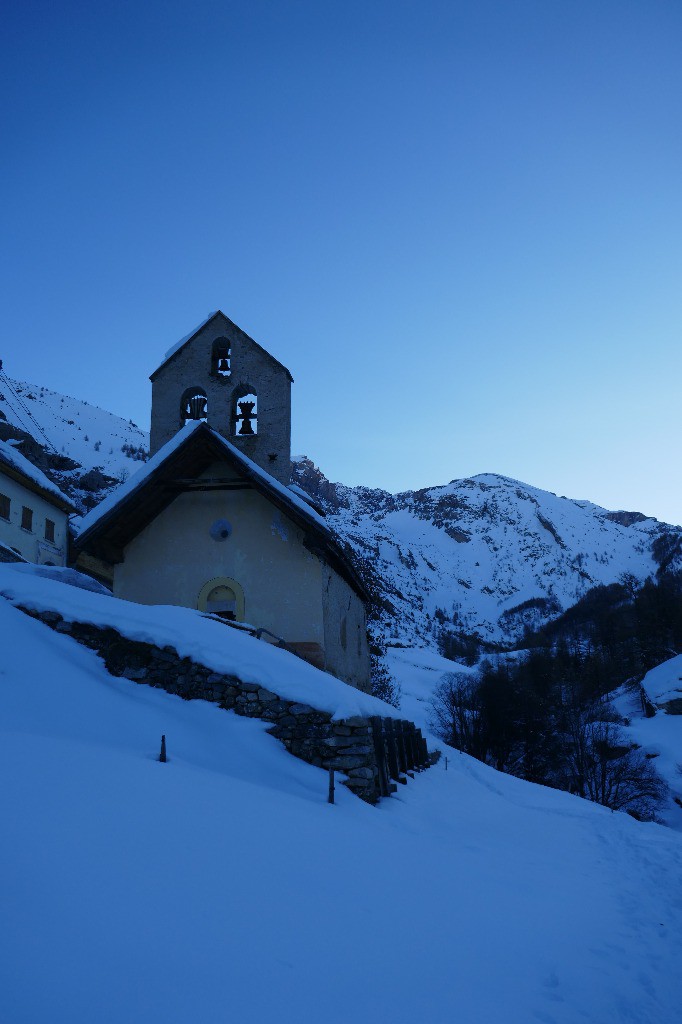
x: 312, y: 480
x: 626, y: 518
x: 95, y: 480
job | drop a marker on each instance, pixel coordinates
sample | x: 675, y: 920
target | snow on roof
x: 193, y: 635
x: 11, y: 457
x: 183, y: 341
x: 178, y: 345
x: 138, y: 479
x: 664, y: 682
x: 135, y: 480
x: 11, y: 553
x: 287, y: 493
x: 299, y: 492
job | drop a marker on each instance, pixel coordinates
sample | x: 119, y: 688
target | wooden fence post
x: 400, y: 744
x: 380, y: 754
x: 391, y: 749
x: 422, y: 751
x: 418, y: 749
x: 407, y: 740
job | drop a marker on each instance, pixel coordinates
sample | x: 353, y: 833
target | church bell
x: 246, y: 414
x: 197, y: 407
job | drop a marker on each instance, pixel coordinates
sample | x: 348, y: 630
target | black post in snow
x: 330, y: 798
x: 162, y: 755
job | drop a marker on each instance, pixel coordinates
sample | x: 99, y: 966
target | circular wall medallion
x: 220, y: 530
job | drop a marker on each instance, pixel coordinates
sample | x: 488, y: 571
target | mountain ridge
x: 489, y: 554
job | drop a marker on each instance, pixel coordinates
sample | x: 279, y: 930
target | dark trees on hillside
x: 546, y: 718
x: 383, y: 685
x: 603, y: 767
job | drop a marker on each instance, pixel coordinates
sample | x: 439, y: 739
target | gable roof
x: 125, y: 512
x: 174, y: 349
x: 18, y: 468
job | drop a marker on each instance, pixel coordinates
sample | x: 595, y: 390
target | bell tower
x: 220, y: 375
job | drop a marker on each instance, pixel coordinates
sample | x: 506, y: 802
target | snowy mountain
x: 221, y: 885
x: 85, y: 450
x: 487, y: 556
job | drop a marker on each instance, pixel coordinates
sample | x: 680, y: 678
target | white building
x: 34, y: 514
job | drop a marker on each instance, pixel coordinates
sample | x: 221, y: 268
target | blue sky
x: 458, y: 224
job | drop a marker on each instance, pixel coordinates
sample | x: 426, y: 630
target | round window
x: 221, y: 529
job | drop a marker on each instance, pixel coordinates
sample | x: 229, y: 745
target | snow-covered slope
x: 221, y: 886
x: 488, y: 554
x: 90, y: 436
x: 192, y: 634
x: 85, y: 449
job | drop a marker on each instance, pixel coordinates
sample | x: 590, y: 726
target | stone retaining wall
x: 347, y: 746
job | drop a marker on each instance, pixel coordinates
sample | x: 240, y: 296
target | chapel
x: 213, y: 522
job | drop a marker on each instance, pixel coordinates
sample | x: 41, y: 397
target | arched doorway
x: 224, y: 597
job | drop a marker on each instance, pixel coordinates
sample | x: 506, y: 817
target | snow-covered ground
x: 418, y: 672
x: 222, y: 887
x: 192, y: 634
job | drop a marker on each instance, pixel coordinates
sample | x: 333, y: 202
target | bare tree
x: 609, y: 770
x: 456, y: 714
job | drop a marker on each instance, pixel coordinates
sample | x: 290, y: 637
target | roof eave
x: 96, y: 536
x: 63, y: 503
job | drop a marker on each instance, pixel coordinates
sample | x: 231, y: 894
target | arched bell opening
x: 221, y: 358
x: 193, y: 406
x: 245, y: 413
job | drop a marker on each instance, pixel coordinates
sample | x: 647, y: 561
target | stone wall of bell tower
x: 221, y: 375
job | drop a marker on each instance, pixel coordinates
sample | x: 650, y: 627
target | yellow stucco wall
x: 175, y: 556
x: 345, y: 632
